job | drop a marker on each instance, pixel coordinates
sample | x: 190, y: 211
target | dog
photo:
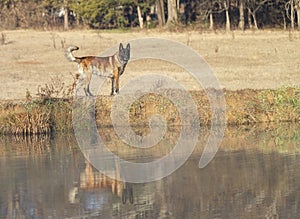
x: 111, y: 66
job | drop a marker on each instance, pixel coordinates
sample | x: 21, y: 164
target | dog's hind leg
x: 87, y: 83
x: 89, y: 91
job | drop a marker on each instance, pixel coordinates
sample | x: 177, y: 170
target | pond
x: 255, y: 174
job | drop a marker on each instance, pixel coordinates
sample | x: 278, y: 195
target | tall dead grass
x: 50, y: 113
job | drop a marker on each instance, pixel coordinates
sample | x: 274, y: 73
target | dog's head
x: 124, y: 53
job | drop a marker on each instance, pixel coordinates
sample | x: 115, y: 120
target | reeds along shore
x: 46, y: 115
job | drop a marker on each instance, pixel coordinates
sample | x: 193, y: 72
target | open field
x: 263, y: 59
x: 243, y: 62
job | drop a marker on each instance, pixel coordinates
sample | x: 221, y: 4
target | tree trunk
x: 160, y: 12
x: 140, y: 17
x: 227, y: 16
x: 15, y: 20
x: 242, y: 19
x: 172, y: 12
x: 227, y: 21
x: 284, y: 21
x: 249, y: 19
x: 292, y: 14
x: 298, y: 18
x: 211, y: 20
x: 298, y: 13
x: 66, y: 17
x: 211, y: 17
x: 254, y: 21
x: 148, y: 20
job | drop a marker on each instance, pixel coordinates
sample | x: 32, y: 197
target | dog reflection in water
x: 91, y: 179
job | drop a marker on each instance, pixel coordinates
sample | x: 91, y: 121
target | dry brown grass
x: 243, y: 107
x: 31, y: 60
x: 262, y: 59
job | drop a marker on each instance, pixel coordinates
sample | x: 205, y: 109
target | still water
x: 255, y: 174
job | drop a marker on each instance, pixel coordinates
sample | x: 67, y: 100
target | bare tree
x: 249, y: 19
x: 290, y: 12
x: 216, y: 7
x: 66, y: 15
x: 242, y: 18
x: 253, y: 6
x: 172, y: 12
x: 140, y: 17
x: 226, y: 4
x: 211, y: 18
x: 160, y: 12
x: 298, y: 12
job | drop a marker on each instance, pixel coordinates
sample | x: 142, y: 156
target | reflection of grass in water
x: 24, y: 146
x: 38, y: 145
x: 273, y: 137
x: 280, y: 138
x: 162, y: 148
x: 286, y: 139
x: 277, y: 137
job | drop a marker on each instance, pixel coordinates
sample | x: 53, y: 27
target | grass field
x: 256, y: 60
x: 260, y: 72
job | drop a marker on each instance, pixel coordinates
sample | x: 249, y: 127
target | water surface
x: 255, y: 174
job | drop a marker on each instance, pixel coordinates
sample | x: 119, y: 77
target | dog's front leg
x: 112, y: 86
x: 117, y: 85
x: 116, y: 76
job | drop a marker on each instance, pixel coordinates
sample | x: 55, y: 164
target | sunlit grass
x: 47, y: 114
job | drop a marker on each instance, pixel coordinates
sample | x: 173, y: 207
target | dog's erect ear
x: 121, y: 47
x: 128, y: 46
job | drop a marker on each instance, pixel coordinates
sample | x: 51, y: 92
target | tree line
x: 109, y: 14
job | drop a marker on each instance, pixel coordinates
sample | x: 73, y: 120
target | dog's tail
x: 69, y: 54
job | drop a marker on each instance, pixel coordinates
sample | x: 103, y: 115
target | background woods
x: 108, y: 14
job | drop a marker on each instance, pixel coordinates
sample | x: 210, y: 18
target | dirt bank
x: 242, y: 107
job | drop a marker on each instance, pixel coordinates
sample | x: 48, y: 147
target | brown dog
x: 111, y: 66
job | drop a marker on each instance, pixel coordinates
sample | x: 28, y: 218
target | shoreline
x: 243, y: 107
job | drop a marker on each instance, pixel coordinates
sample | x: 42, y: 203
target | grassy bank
x: 46, y: 115
x: 40, y: 116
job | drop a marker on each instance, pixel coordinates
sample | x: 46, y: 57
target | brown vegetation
x: 242, y: 107
x: 240, y: 60
x: 258, y: 71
